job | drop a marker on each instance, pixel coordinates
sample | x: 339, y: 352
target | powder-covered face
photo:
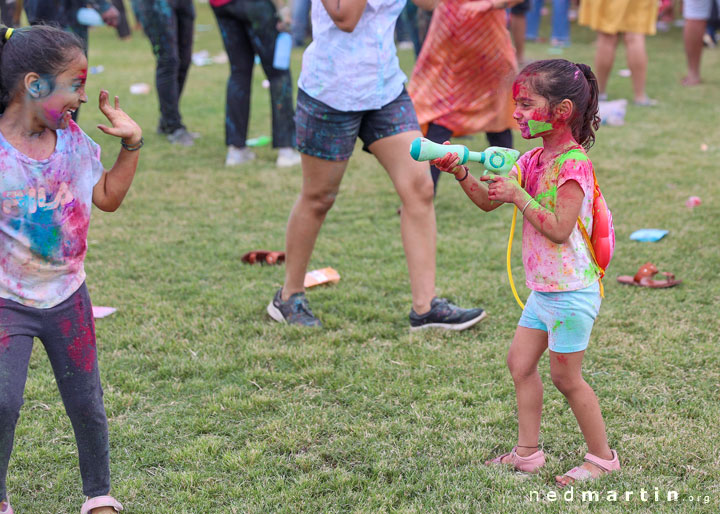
x: 532, y: 111
x: 61, y: 95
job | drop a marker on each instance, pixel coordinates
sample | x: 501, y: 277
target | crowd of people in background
x: 250, y: 28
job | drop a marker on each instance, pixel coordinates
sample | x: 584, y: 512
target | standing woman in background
x: 352, y: 86
x: 462, y: 79
x: 250, y: 27
x: 169, y: 26
x: 610, y: 18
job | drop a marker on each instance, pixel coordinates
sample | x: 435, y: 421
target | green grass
x: 213, y: 408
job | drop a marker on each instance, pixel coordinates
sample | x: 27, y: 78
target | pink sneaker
x: 5, y: 508
x: 529, y: 464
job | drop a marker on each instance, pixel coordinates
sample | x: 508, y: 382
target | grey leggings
x: 68, y: 333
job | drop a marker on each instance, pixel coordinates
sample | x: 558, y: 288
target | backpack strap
x: 588, y: 243
x: 586, y: 237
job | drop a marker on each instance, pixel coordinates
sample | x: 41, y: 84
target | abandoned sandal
x: 644, y: 278
x: 263, y: 257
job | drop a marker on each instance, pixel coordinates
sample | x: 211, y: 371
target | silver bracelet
x: 522, y: 211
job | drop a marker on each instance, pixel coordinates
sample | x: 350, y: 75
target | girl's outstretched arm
x: 110, y: 190
x: 556, y: 225
x: 475, y: 190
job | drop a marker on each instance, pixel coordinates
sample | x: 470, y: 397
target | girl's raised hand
x: 123, y: 126
x: 501, y: 189
x: 449, y: 163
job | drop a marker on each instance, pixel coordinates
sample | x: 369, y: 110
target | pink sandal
x: 7, y: 509
x: 529, y: 464
x: 100, y: 501
x: 578, y: 474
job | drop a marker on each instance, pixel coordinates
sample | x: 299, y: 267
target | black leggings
x: 68, y: 333
x: 440, y: 134
x: 248, y: 27
x: 169, y: 26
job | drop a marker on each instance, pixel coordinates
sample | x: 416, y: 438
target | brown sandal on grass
x: 264, y: 257
x: 644, y: 278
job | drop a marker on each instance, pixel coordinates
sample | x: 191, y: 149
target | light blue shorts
x: 567, y: 317
x: 698, y: 9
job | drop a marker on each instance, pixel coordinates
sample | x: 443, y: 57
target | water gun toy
x: 496, y: 159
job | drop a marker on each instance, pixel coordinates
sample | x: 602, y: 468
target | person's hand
x: 477, y: 6
x: 501, y: 189
x: 111, y: 16
x: 450, y: 163
x: 285, y: 17
x: 123, y: 126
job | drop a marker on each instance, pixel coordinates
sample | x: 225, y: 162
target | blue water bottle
x: 89, y: 17
x: 283, y: 47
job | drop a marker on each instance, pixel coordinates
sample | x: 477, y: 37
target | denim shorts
x: 567, y: 317
x: 330, y: 134
x: 698, y: 9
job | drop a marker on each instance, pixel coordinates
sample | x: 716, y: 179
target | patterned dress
x: 463, y: 76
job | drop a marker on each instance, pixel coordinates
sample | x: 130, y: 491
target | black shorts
x: 520, y: 8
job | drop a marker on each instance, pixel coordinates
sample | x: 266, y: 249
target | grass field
x: 213, y: 408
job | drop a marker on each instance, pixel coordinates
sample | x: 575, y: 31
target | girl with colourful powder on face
x: 50, y: 172
x: 557, y: 101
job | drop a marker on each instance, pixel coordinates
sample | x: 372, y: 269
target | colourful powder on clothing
x: 574, y: 154
x: 83, y: 351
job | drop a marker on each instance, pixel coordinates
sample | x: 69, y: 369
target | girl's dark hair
x: 557, y: 79
x: 42, y: 49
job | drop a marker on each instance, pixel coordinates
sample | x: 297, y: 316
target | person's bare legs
x: 518, y: 26
x: 605, y: 47
x: 637, y: 60
x: 692, y: 35
x: 321, y: 183
x: 566, y: 373
x: 527, y: 347
x: 417, y: 219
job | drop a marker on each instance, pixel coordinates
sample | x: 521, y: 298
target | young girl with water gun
x: 556, y: 100
x: 50, y: 173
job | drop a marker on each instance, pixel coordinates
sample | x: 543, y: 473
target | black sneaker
x: 294, y: 311
x: 181, y: 137
x: 443, y: 314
